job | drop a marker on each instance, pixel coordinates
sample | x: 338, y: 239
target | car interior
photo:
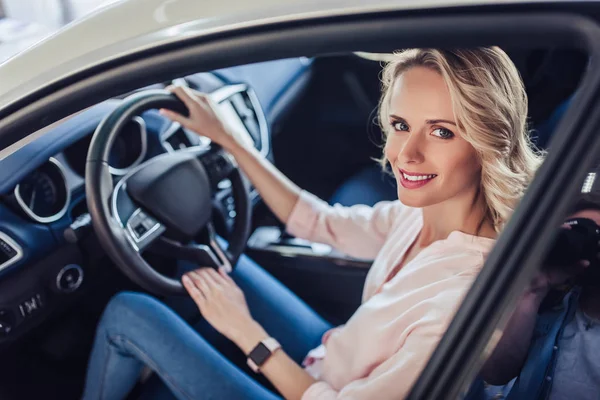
x: 315, y: 118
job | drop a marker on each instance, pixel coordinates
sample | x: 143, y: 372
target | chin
x: 414, y: 199
x: 410, y: 200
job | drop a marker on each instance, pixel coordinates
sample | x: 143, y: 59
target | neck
x: 466, y: 213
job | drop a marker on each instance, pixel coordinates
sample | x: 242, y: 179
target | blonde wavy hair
x: 490, y: 107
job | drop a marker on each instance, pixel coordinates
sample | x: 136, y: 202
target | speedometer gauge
x: 43, y: 194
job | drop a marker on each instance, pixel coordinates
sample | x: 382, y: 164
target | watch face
x: 260, y: 354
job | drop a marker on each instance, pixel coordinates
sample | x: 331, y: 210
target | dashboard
x: 43, y: 208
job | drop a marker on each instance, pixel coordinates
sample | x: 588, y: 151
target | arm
x: 278, y: 192
x: 394, y: 377
x: 359, y: 231
x: 223, y: 305
x: 290, y: 379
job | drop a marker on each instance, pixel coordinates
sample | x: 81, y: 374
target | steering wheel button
x: 149, y: 223
x: 140, y: 229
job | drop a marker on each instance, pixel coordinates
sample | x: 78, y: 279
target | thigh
x: 140, y: 327
x: 283, y: 314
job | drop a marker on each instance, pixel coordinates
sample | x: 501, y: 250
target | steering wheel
x: 164, y: 204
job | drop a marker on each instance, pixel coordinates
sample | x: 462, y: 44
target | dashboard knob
x: 7, y: 322
x: 69, y: 278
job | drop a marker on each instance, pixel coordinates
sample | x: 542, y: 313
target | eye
x: 400, y: 126
x: 443, y: 133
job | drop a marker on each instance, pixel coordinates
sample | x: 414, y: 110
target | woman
x: 456, y: 141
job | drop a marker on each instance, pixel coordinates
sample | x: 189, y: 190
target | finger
x: 217, y: 277
x: 194, y: 94
x: 198, y: 94
x: 584, y: 263
x: 193, y: 291
x: 225, y: 275
x: 209, y: 275
x: 173, y: 116
x: 184, y: 96
x: 200, y: 283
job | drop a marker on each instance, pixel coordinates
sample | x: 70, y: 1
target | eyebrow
x: 429, y: 121
x: 440, y: 121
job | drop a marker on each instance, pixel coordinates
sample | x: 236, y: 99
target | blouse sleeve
x: 395, y: 377
x: 359, y: 231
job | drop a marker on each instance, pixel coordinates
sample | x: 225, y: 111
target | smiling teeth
x: 417, y: 178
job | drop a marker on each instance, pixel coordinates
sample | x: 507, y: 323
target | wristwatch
x: 262, y: 352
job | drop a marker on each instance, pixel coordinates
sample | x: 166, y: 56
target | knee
x: 127, y: 310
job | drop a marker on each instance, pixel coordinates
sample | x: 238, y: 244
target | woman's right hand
x: 204, y: 118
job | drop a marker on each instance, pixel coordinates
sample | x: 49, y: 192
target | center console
x: 327, y: 280
x: 273, y: 240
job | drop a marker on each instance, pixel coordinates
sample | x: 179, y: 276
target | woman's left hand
x: 220, y: 300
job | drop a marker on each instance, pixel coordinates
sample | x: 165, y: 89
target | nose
x: 411, y: 151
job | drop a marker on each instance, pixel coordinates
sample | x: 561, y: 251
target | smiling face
x: 432, y: 163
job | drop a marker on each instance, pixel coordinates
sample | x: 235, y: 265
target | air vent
x: 10, y: 251
x: 244, y: 108
x: 240, y: 103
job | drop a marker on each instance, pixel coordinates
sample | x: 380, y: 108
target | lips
x: 414, y: 180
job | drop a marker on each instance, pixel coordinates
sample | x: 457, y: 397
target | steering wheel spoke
x: 215, y: 246
x: 210, y: 254
x: 142, y: 229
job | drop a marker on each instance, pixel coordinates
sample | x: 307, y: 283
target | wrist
x: 238, y: 149
x: 249, y: 336
x: 231, y: 145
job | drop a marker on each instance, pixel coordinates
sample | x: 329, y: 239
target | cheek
x: 392, y: 148
x: 466, y: 166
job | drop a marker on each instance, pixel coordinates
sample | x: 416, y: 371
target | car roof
x: 128, y: 27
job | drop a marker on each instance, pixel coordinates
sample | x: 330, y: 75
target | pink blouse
x: 381, y: 350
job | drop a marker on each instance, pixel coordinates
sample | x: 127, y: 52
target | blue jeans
x: 194, y: 361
